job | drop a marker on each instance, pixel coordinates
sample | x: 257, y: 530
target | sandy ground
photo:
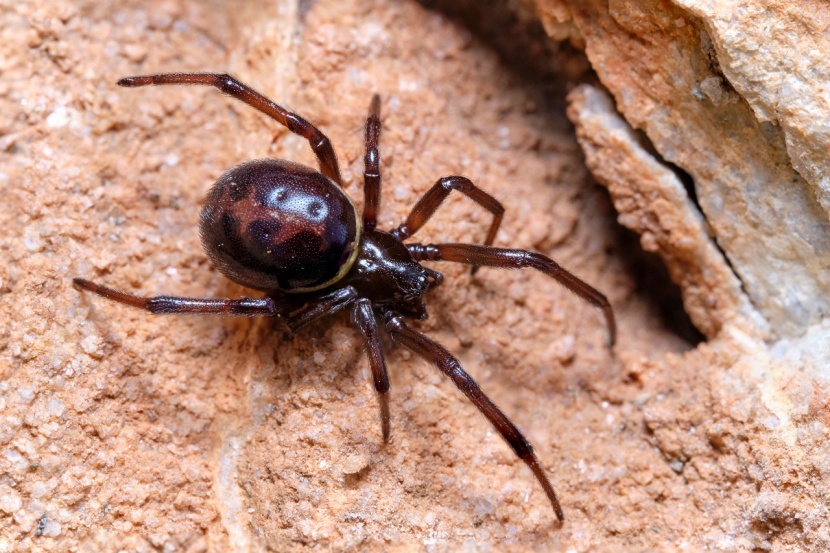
x: 126, y: 431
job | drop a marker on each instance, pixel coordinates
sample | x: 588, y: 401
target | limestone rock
x: 734, y: 95
x: 652, y: 202
x: 751, y: 134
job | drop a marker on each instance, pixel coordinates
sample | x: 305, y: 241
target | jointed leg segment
x: 318, y: 141
x: 516, y: 259
x: 243, y: 307
x: 322, y: 307
x: 435, y: 196
x: 364, y: 320
x: 371, y: 170
x: 435, y: 353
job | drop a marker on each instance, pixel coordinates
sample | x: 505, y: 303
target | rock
x: 759, y: 188
x: 126, y: 431
x: 734, y: 96
x: 652, y: 202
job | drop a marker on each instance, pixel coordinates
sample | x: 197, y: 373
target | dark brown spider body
x: 275, y: 225
x: 386, y: 273
x: 281, y: 227
x: 292, y: 232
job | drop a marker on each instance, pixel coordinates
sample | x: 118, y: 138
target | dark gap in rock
x: 655, y: 284
x: 688, y: 183
x: 549, y: 67
x: 682, y: 175
x: 686, y: 180
x: 553, y: 68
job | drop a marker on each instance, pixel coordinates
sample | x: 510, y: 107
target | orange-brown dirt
x: 120, y: 430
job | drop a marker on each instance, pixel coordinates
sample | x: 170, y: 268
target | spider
x: 292, y: 232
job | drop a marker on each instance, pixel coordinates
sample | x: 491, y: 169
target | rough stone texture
x: 663, y: 68
x: 734, y: 94
x: 652, y: 202
x: 772, y: 395
x: 124, y: 431
x: 775, y: 56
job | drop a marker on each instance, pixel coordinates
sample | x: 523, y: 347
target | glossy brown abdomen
x: 272, y: 224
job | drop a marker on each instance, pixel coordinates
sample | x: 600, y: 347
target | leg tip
x: 82, y: 284
x: 374, y: 106
x: 132, y: 81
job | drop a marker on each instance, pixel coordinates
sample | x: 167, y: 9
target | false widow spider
x: 293, y: 233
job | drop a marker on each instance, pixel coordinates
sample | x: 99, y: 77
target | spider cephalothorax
x: 293, y: 233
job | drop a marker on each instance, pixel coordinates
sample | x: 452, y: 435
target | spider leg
x: 321, y: 307
x: 364, y: 320
x: 318, y: 141
x: 435, y: 196
x: 435, y: 278
x: 244, y: 307
x: 515, y: 259
x: 449, y: 365
x: 371, y: 171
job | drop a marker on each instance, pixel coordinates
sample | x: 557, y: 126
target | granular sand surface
x: 121, y: 430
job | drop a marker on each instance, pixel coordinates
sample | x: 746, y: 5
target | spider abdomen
x: 272, y: 224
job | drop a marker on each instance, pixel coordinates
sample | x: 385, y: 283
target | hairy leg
x: 245, y: 307
x: 318, y: 308
x: 435, y: 196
